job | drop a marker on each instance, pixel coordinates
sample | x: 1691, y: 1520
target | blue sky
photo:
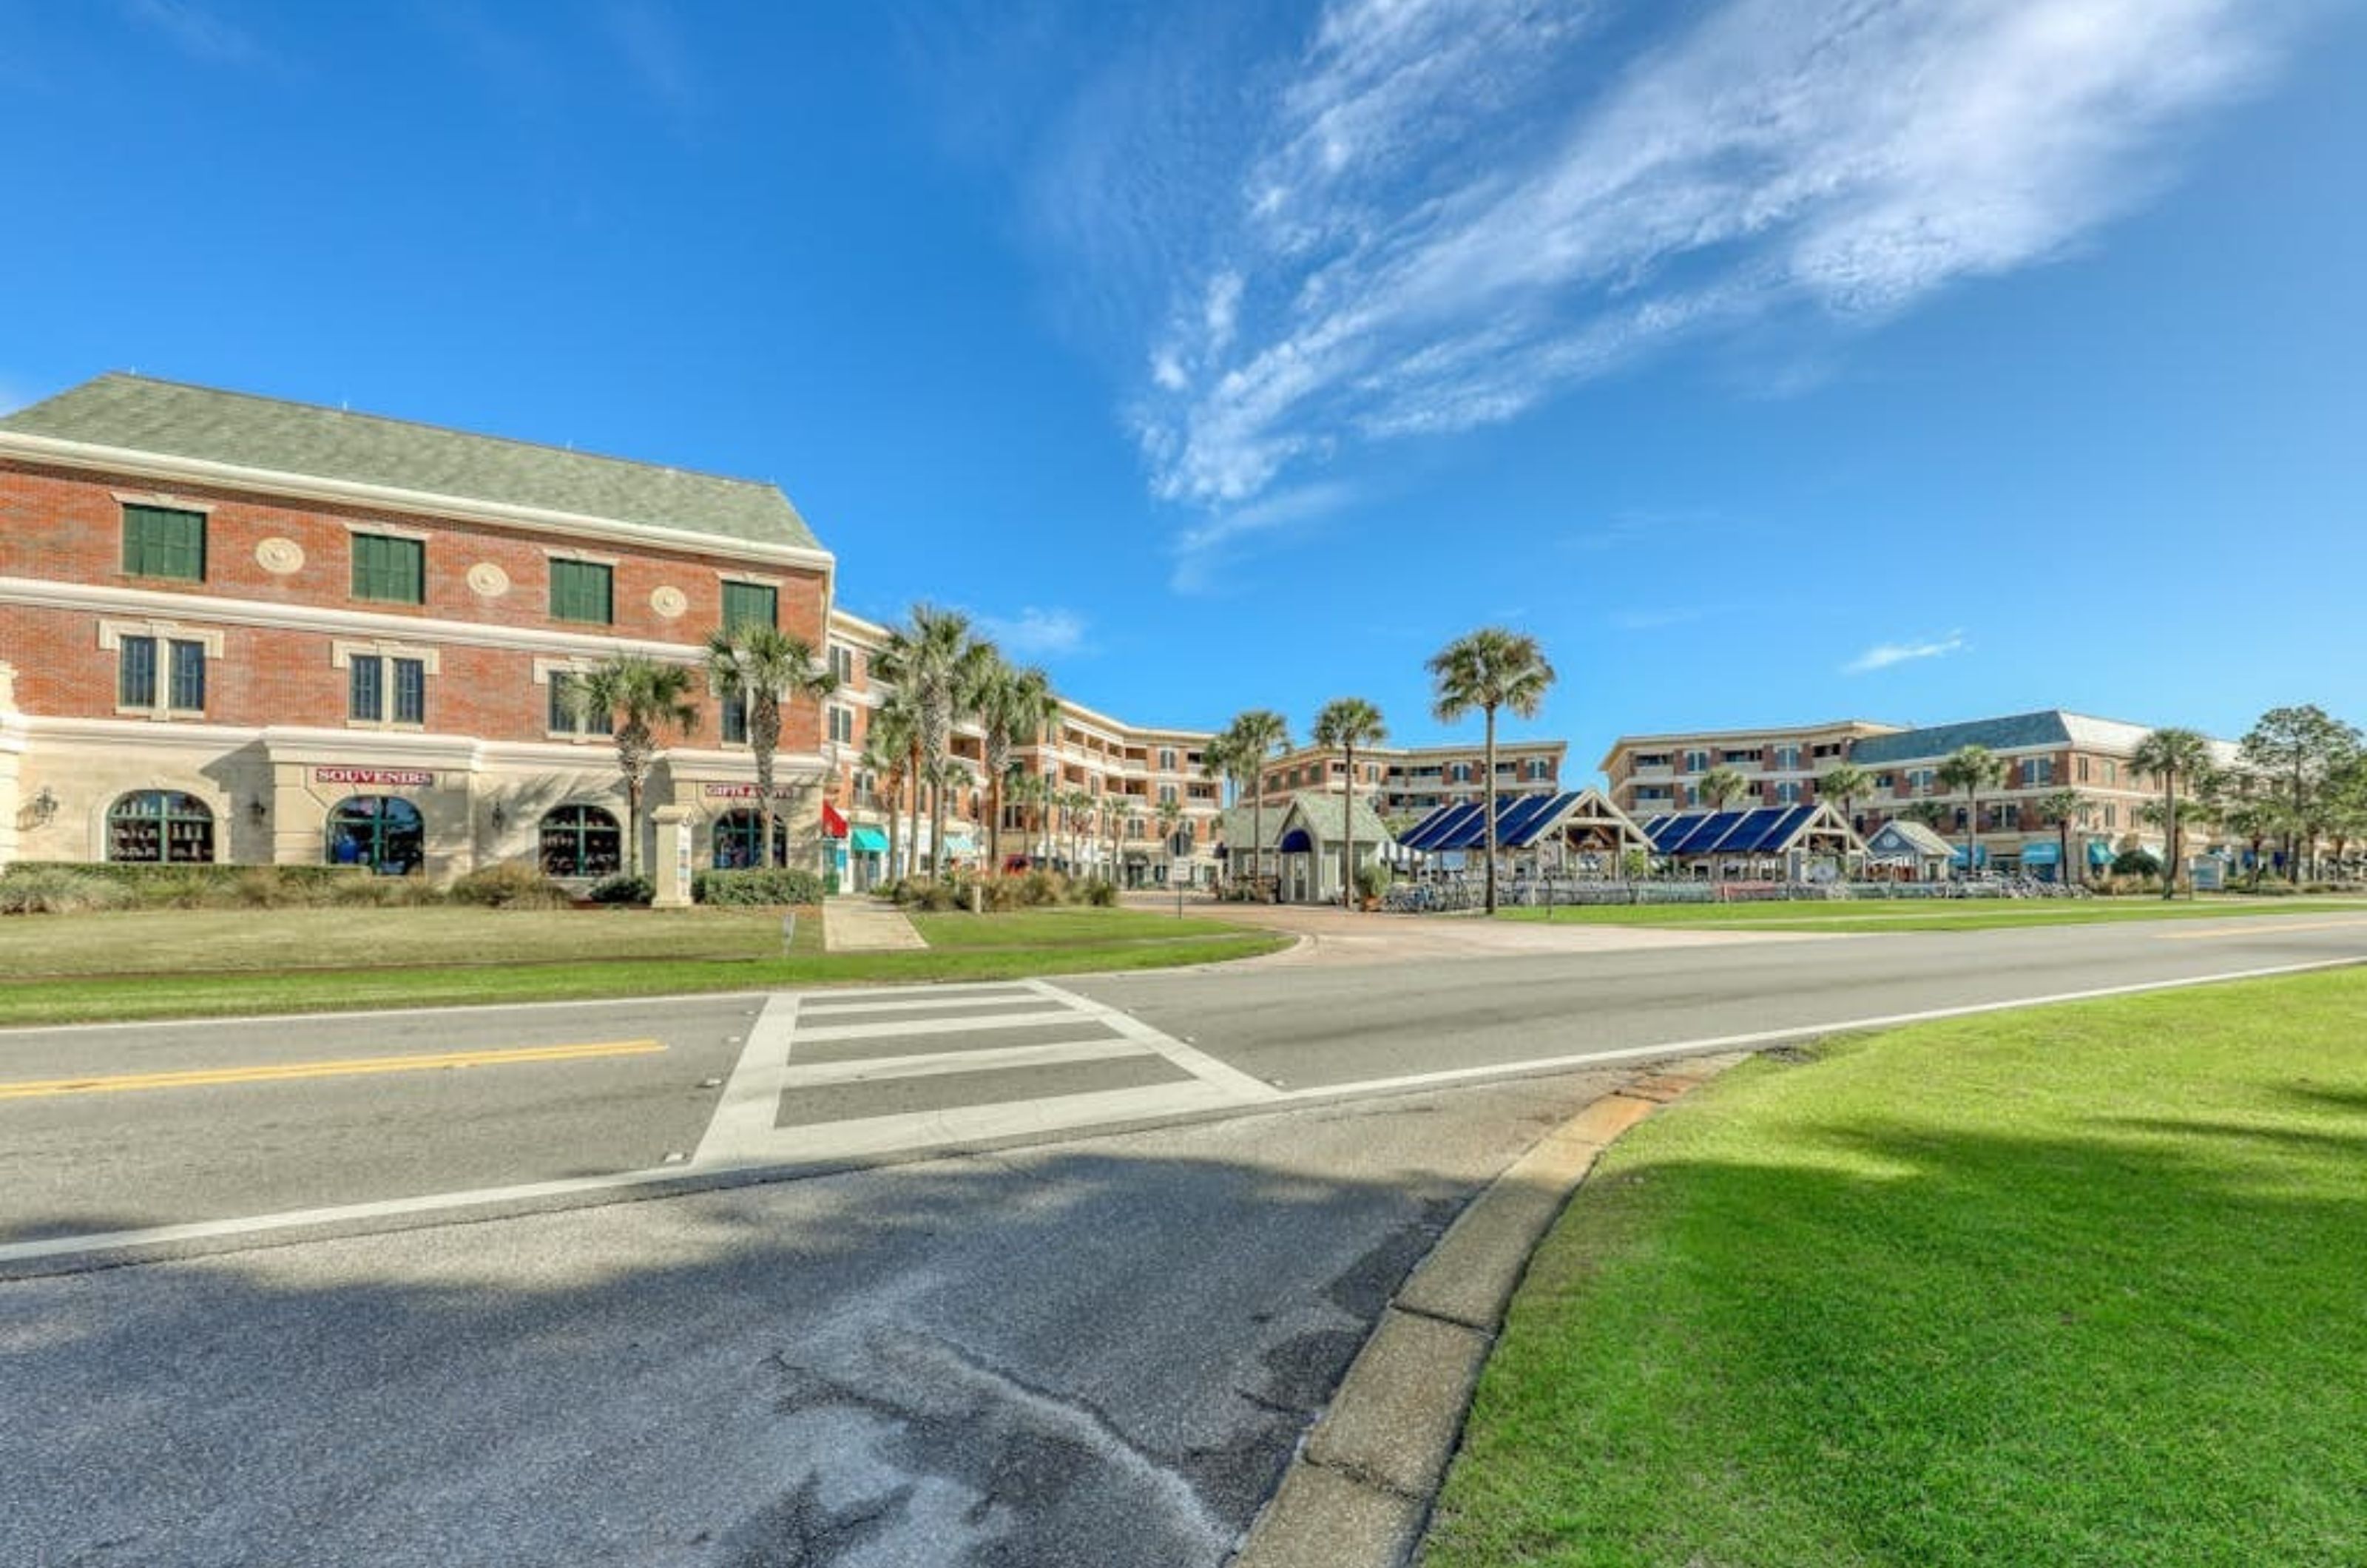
x: 1768, y: 359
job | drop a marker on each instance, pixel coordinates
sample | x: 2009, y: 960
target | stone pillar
x: 12, y: 747
x: 669, y: 871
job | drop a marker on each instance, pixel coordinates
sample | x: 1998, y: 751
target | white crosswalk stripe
x: 840, y: 1074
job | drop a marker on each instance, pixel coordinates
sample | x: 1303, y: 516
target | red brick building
x: 243, y: 630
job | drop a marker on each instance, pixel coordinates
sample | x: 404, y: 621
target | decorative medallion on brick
x: 280, y: 557
x: 488, y: 581
x: 669, y: 603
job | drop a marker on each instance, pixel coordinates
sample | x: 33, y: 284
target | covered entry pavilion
x: 1304, y: 843
x: 1765, y: 843
x: 1571, y: 833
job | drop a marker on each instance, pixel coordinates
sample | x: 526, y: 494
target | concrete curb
x: 1360, y: 1491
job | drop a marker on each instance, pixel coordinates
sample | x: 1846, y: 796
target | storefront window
x: 380, y: 831
x: 158, y: 826
x: 737, y: 834
x: 581, y: 840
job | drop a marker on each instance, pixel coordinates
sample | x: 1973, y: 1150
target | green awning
x: 869, y: 840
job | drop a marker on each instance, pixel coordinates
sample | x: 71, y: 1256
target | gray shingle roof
x: 1321, y: 809
x: 2050, y: 727
x: 170, y: 419
x: 2009, y: 733
x: 1912, y: 836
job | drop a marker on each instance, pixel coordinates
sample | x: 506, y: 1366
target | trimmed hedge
x: 761, y: 885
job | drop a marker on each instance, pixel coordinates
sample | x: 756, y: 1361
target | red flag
x: 832, y: 822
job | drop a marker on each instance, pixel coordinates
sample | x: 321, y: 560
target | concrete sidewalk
x: 865, y: 925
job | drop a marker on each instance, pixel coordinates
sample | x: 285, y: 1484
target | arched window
x: 581, y: 840
x: 737, y: 834
x: 157, y: 826
x: 380, y: 831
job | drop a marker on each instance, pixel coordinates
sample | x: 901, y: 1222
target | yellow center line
x: 2265, y: 924
x: 278, y: 1072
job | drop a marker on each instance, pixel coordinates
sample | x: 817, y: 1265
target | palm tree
x: 1014, y: 706
x: 2171, y: 755
x: 1223, y: 759
x: 1722, y: 786
x: 760, y: 667
x: 1973, y: 769
x: 1490, y: 669
x: 888, y: 745
x: 940, y: 663
x: 640, y: 695
x: 1930, y: 813
x: 1255, y: 736
x: 1845, y: 781
x: 1347, y: 723
x: 2062, y: 807
x: 1077, y: 804
x: 1171, y: 817
x: 1115, y: 807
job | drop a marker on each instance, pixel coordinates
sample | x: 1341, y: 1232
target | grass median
x: 1934, y: 915
x: 2078, y: 1285
x: 199, y: 963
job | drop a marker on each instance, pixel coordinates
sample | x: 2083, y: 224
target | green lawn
x: 1031, y: 927
x: 2074, y: 1286
x: 1934, y: 915
x: 190, y: 964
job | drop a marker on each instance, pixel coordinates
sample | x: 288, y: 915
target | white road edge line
x: 1794, y: 1032
x: 1037, y: 1115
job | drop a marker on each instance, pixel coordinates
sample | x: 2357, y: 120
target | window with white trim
x: 386, y: 690
x: 160, y: 667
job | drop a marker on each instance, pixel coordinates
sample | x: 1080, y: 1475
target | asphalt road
x: 1074, y: 1349
x: 391, y: 1116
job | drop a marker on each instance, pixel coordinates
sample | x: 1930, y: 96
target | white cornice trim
x: 199, y: 470
x: 102, y: 599
x: 458, y: 753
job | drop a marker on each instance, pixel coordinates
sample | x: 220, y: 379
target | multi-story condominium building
x: 1650, y: 774
x: 234, y: 629
x: 2043, y: 752
x: 1128, y: 771
x: 1403, y: 781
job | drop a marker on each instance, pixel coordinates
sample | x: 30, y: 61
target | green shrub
x: 1041, y: 889
x: 622, y: 889
x: 1100, y: 892
x: 937, y: 897
x: 2136, y: 863
x: 773, y: 887
x: 1373, y: 879
x: 509, y: 884
x: 58, y: 890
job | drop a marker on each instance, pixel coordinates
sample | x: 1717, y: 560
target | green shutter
x: 582, y: 591
x: 389, y: 569
x: 746, y: 603
x: 160, y: 541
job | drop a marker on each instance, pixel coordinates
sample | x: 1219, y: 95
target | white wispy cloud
x: 1883, y: 655
x: 196, y: 31
x: 1202, y: 547
x: 1036, y: 633
x: 1428, y: 236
